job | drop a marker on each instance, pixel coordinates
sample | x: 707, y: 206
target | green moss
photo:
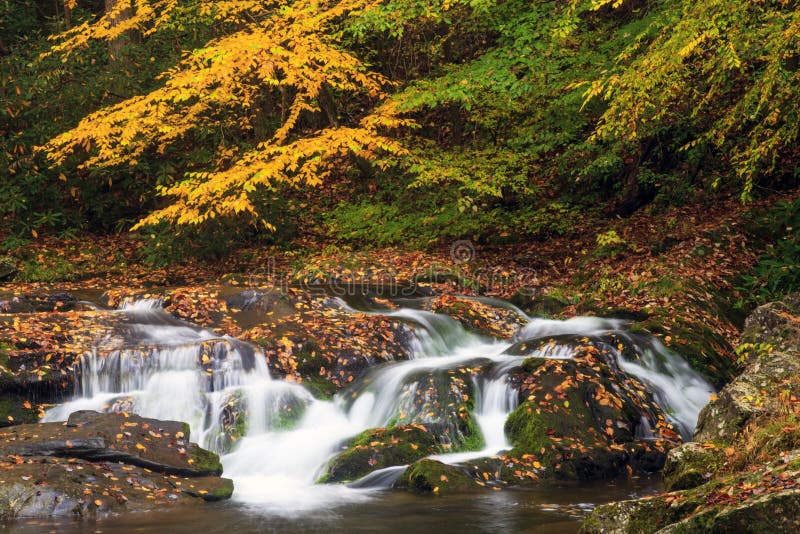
x: 222, y: 491
x: 379, y: 448
x: 319, y: 387
x: 49, y: 268
x: 527, y: 429
x: 471, y: 438
x: 689, y: 466
x: 210, y: 489
x: 427, y: 477
x: 529, y: 365
x: 13, y: 411
x: 206, y: 461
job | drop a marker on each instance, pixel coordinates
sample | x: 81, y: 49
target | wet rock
x: 690, y: 465
x: 442, y: 400
x: 8, y: 268
x: 161, y: 446
x: 477, y: 316
x: 328, y: 350
x: 38, y: 303
x: 379, y: 448
x: 16, y: 409
x: 103, y: 463
x: 536, y: 302
x: 431, y: 477
x: 584, y: 418
x: 56, y: 487
x: 259, y: 300
x: 282, y: 411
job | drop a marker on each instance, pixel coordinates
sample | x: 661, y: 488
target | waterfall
x: 276, y: 438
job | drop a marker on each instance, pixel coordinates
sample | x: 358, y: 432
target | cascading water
x: 170, y: 370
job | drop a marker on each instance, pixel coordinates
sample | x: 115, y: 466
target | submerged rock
x: 99, y: 463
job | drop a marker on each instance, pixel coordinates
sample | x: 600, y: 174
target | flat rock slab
x: 41, y: 486
x: 102, y: 463
x: 161, y: 446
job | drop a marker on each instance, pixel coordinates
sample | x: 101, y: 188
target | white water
x: 175, y: 371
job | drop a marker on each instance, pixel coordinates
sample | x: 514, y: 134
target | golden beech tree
x: 278, y: 51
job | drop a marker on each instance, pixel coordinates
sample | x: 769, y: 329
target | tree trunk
x: 67, y: 14
x: 118, y: 11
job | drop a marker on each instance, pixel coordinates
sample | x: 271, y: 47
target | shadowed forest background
x: 205, y: 126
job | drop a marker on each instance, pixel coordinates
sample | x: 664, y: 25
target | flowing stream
x: 170, y: 370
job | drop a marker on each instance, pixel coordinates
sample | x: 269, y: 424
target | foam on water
x: 172, y: 370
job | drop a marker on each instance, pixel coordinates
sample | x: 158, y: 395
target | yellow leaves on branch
x: 700, y: 63
x: 304, y: 161
x: 148, y: 16
x: 287, y: 54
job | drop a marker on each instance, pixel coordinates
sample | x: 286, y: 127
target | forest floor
x: 650, y: 264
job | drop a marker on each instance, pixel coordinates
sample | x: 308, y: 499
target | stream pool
x: 555, y: 510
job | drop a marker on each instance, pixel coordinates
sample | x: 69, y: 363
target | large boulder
x: 99, y: 463
x: 584, y: 418
x: 772, y: 340
x: 742, y: 472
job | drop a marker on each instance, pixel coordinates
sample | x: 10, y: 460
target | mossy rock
x: 206, y: 461
x: 379, y: 448
x: 442, y: 401
x: 8, y: 268
x: 209, y: 488
x: 643, y: 516
x: 775, y: 324
x: 579, y: 420
x: 13, y: 410
x: 537, y: 303
x: 431, y: 477
x: 319, y: 387
x: 690, y: 465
